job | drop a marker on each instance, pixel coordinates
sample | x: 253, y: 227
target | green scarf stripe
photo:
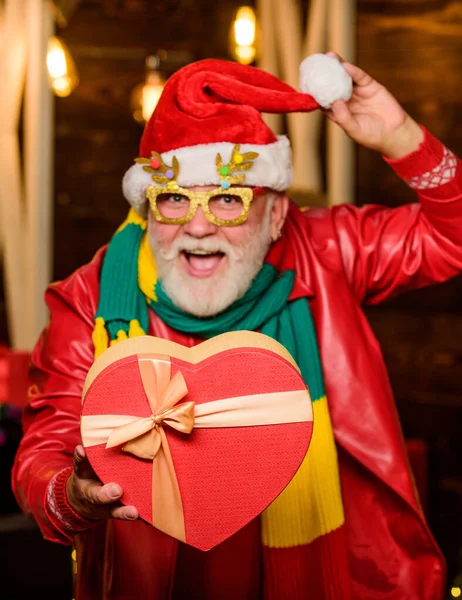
x: 264, y: 307
x: 121, y: 300
x: 307, y: 350
x: 265, y: 299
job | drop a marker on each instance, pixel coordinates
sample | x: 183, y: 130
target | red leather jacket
x: 349, y: 256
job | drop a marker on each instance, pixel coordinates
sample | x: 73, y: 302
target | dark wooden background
x: 414, y: 47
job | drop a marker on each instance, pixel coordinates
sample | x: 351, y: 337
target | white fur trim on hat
x: 272, y: 168
x: 324, y: 78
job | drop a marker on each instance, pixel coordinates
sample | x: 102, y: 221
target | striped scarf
x: 303, y: 534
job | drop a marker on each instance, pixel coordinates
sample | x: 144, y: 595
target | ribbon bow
x: 143, y: 437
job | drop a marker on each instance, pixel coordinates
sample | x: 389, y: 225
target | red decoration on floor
x: 14, y: 378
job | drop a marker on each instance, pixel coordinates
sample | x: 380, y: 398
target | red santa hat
x: 208, y: 126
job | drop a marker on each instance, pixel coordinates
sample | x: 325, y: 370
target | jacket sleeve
x: 386, y: 251
x: 59, y: 364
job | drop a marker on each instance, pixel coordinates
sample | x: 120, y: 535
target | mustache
x: 191, y: 244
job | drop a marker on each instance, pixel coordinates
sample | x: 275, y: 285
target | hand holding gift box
x: 201, y: 439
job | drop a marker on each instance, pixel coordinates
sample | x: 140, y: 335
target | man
x: 212, y: 243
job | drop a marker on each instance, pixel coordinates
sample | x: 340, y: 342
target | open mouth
x: 201, y: 263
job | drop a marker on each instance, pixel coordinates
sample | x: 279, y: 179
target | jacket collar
x: 283, y: 255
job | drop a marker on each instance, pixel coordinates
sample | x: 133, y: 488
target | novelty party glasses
x: 223, y: 208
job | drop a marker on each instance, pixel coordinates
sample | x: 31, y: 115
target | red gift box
x: 201, y: 439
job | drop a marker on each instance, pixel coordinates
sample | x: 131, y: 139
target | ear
x: 278, y: 215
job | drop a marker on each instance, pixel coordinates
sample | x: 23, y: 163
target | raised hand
x: 91, y: 499
x: 374, y: 118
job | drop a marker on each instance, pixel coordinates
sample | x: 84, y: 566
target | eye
x: 227, y: 199
x: 226, y: 206
x: 176, y: 198
x: 171, y: 199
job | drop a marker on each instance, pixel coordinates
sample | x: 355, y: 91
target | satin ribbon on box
x: 145, y: 437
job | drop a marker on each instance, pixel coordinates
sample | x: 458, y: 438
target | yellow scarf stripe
x: 121, y: 335
x: 100, y: 337
x: 135, y: 329
x: 147, y: 274
x: 133, y: 218
x: 311, y: 505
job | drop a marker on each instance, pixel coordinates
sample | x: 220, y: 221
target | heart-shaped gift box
x: 201, y: 439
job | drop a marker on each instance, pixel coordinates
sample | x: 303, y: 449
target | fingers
x: 360, y: 77
x: 82, y: 466
x: 341, y: 115
x: 90, y: 498
x: 96, y: 493
x: 97, y: 501
x: 104, y: 499
x: 333, y: 54
x: 125, y: 513
x: 79, y: 455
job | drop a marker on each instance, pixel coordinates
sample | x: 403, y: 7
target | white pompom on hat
x: 213, y: 107
x: 324, y: 78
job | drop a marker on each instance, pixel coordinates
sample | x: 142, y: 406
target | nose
x: 198, y: 226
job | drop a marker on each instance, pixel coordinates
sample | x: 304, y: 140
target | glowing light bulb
x: 456, y: 592
x: 56, y: 59
x: 150, y: 95
x: 245, y: 54
x: 61, y: 68
x: 243, y: 35
x: 244, y: 26
x: 146, y: 95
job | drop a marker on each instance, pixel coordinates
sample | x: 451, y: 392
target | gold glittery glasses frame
x: 201, y: 199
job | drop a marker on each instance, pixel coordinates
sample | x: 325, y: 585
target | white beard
x: 212, y: 295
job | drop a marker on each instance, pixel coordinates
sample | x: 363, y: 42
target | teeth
x: 200, y: 252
